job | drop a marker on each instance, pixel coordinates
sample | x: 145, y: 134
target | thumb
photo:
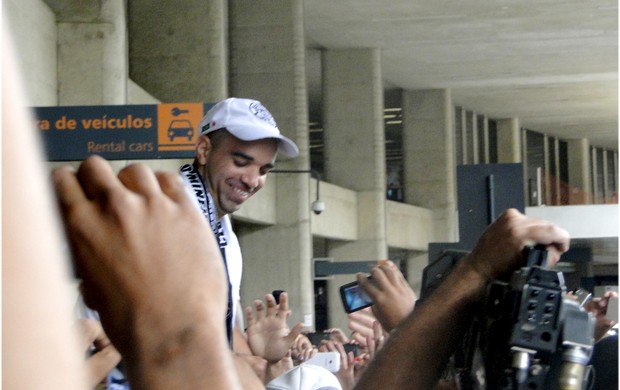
x: 292, y: 336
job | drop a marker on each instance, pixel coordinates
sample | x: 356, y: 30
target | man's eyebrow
x: 243, y: 156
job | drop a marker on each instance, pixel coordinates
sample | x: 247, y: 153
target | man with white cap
x: 237, y: 147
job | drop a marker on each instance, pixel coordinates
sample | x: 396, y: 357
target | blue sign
x: 146, y: 131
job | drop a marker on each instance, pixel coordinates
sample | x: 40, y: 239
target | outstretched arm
x: 39, y: 343
x: 423, y: 343
x: 152, y: 269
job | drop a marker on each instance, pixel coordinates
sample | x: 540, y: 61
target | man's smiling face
x: 235, y: 169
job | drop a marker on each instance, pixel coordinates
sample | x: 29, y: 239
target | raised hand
x: 346, y: 374
x: 393, y: 298
x: 268, y: 333
x: 152, y: 269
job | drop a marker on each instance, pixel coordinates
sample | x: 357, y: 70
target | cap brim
x: 287, y: 147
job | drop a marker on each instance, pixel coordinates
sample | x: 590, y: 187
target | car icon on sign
x: 180, y: 128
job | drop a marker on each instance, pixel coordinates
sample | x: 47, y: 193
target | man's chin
x: 232, y: 208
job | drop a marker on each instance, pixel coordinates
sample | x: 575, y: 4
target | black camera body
x: 527, y: 334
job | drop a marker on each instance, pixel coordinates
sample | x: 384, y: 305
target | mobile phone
x: 348, y: 347
x: 316, y: 337
x: 353, y: 297
x: 327, y: 360
x: 276, y: 295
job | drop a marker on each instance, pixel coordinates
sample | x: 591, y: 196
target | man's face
x: 235, y: 169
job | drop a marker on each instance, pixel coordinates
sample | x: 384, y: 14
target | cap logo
x: 261, y: 113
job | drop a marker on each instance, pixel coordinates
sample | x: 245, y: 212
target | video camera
x: 526, y: 335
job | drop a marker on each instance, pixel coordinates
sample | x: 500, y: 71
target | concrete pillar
x: 428, y: 149
x: 547, y: 182
x: 355, y: 154
x: 579, y: 171
x: 614, y: 189
x: 462, y: 118
x: 485, y: 154
x: 472, y: 126
x: 596, y: 195
x: 508, y: 141
x: 267, y: 62
x: 92, y: 55
x: 557, y: 183
x: 605, y: 195
x: 178, y: 50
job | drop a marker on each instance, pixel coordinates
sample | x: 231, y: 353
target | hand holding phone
x: 327, y: 360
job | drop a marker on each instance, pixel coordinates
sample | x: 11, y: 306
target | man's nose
x: 251, y: 179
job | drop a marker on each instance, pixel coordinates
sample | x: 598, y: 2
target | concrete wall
x: 339, y: 221
x: 409, y: 227
x: 581, y: 221
x: 35, y: 48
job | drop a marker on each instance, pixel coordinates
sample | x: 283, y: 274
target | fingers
x: 338, y: 347
x: 140, y: 179
x: 272, y: 306
x: 536, y: 230
x: 364, y: 317
x: 67, y: 187
x: 260, y: 312
x: 499, y: 250
x: 360, y: 339
x: 370, y: 344
x: 97, y: 178
x: 296, y: 331
x: 249, y: 315
x: 388, y: 272
x: 337, y: 334
x: 101, y: 363
x: 90, y: 330
x: 378, y: 334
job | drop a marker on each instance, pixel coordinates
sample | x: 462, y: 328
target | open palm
x: 268, y: 333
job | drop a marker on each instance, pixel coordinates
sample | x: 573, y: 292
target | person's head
x: 237, y: 147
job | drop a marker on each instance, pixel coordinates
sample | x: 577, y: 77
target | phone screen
x: 353, y: 297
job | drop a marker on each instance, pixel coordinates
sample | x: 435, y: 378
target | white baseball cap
x: 305, y: 377
x: 247, y: 120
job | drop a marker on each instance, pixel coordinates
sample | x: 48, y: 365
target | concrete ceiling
x: 551, y: 63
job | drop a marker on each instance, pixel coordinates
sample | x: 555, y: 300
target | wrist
x: 472, y: 281
x: 164, y: 352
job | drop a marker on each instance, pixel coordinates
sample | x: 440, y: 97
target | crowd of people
x: 161, y: 267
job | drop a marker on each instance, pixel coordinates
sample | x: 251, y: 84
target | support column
x: 579, y: 177
x: 547, y: 200
x: 473, y: 147
x: 94, y: 44
x: 596, y: 195
x: 605, y: 195
x: 267, y: 62
x: 429, y: 158
x: 355, y: 154
x: 509, y: 141
x: 485, y: 155
x: 178, y: 50
x: 462, y: 118
x: 557, y: 182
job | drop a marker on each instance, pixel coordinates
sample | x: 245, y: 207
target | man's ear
x: 203, y: 147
